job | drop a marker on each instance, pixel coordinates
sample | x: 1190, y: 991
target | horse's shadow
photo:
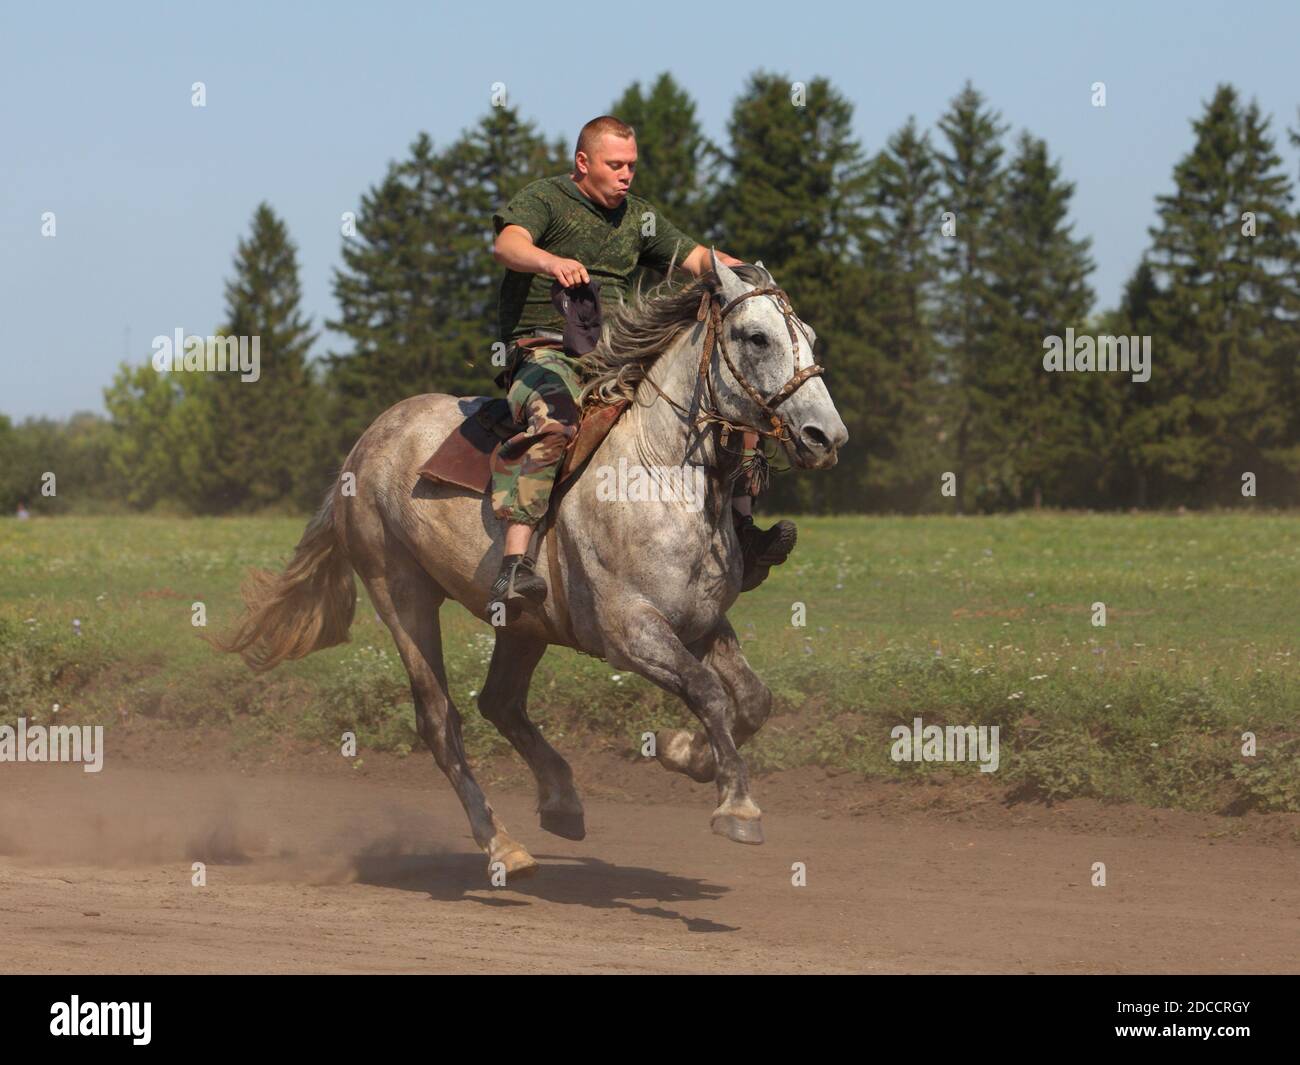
x: 457, y: 877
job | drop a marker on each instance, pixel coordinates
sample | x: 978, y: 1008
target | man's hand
x: 567, y: 271
x: 698, y: 263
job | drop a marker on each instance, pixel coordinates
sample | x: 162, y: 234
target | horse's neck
x: 655, y: 433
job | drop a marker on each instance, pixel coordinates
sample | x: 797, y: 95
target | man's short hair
x: 596, y: 128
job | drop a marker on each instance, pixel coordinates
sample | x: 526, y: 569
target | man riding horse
x: 644, y: 589
x: 581, y: 229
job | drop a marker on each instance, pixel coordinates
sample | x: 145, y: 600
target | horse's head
x: 764, y: 367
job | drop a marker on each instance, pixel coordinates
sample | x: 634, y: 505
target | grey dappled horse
x: 647, y: 584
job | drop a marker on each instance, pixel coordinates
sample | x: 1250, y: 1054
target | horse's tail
x: 306, y: 608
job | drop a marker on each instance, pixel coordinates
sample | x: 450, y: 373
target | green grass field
x: 956, y: 620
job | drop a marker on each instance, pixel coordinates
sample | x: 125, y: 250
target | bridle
x: 713, y: 313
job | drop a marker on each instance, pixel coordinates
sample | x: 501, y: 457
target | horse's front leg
x: 684, y: 751
x: 644, y: 642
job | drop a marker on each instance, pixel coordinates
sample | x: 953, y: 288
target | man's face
x: 606, y: 174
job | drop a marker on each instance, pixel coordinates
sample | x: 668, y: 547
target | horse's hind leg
x: 408, y: 600
x: 690, y: 752
x: 504, y: 702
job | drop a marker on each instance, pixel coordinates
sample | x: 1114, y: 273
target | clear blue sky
x: 307, y: 103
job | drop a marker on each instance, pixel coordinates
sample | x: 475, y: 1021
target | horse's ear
x: 810, y: 334
x: 730, y: 285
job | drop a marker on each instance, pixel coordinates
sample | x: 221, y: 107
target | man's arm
x: 698, y: 263
x: 514, y: 249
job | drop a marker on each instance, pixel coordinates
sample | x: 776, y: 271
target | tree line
x: 934, y: 272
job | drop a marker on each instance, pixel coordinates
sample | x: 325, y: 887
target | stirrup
x: 517, y: 586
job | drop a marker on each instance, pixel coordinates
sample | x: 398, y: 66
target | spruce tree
x: 259, y: 433
x: 1133, y: 410
x: 672, y: 152
x: 1226, y: 259
x: 419, y: 286
x: 971, y: 165
x: 795, y: 196
x: 903, y: 420
x: 1031, y: 437
x: 393, y: 295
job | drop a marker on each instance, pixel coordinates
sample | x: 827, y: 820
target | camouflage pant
x: 544, y: 398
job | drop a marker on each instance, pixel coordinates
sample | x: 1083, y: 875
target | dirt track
x: 332, y: 872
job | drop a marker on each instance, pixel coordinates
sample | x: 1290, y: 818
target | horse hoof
x: 740, y: 829
x: 564, y: 825
x: 516, y: 864
x: 508, y: 856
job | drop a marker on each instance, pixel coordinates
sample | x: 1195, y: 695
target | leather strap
x: 557, y: 585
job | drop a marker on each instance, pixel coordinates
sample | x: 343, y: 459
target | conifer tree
x: 971, y: 164
x: 1121, y: 415
x: 795, y: 196
x: 257, y: 435
x: 419, y: 286
x: 905, y: 422
x: 672, y: 152
x: 1226, y: 259
x: 1030, y: 436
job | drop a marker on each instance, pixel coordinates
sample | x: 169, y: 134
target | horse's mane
x: 637, y: 332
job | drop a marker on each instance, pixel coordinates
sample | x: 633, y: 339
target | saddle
x: 464, y: 459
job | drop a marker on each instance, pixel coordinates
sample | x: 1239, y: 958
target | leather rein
x: 713, y: 313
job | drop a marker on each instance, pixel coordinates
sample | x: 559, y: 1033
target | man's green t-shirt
x: 610, y: 244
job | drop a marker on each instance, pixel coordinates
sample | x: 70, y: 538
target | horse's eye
x: 759, y: 340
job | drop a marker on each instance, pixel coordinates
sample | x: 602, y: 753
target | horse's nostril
x: 814, y: 437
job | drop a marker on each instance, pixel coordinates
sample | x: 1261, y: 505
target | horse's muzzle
x: 816, y: 446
